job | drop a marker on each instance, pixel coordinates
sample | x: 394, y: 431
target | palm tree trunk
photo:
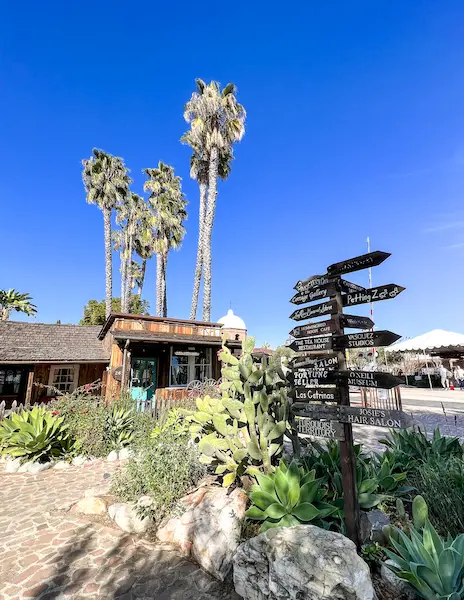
x: 199, y: 265
x: 123, y: 273
x: 129, y: 275
x: 209, y: 220
x: 165, y: 297
x: 142, y: 276
x: 159, y: 290
x: 108, y: 260
x: 5, y: 314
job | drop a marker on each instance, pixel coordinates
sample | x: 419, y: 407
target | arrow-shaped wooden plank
x: 372, y: 379
x: 321, y: 286
x: 311, y: 283
x: 315, y: 394
x: 308, y: 378
x: 382, y: 292
x: 321, y: 328
x: 317, y: 310
x: 311, y: 295
x: 393, y: 419
x: 373, y: 259
x: 324, y: 429
x: 355, y: 322
x: 366, y: 339
x: 327, y: 362
x: 312, y: 344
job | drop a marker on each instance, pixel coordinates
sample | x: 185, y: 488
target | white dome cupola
x: 233, y: 326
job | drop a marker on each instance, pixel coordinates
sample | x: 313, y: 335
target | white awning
x: 435, y: 340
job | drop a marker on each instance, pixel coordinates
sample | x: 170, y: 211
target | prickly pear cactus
x: 242, y: 432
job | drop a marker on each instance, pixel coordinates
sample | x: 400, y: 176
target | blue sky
x: 355, y: 127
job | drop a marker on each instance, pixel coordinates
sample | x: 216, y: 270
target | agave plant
x: 288, y: 497
x: 433, y: 566
x: 120, y: 427
x: 384, y: 469
x: 35, y: 434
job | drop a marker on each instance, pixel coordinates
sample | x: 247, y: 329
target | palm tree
x: 199, y: 164
x: 168, y: 205
x: 13, y: 300
x: 106, y: 183
x: 217, y: 121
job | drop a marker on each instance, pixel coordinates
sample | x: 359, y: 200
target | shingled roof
x: 42, y: 342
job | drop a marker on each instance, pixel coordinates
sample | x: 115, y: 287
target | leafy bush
x: 434, y: 567
x: 98, y: 428
x: 242, y: 432
x: 408, y: 447
x: 35, y: 435
x: 165, y: 471
x: 441, y: 482
x: 287, y: 497
x: 173, y: 421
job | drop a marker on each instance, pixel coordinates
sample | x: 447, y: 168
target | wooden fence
x: 14, y: 408
x: 386, y: 399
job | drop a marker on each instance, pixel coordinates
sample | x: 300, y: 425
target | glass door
x: 143, y: 381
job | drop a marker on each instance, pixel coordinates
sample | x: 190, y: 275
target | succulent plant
x: 289, y: 497
x: 433, y: 566
x: 242, y: 432
x: 35, y: 434
x: 120, y: 427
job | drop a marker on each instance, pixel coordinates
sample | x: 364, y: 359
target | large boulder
x: 398, y: 588
x: 127, y: 517
x: 301, y: 562
x: 90, y: 506
x: 209, y: 529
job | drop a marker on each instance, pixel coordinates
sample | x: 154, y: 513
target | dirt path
x: 47, y: 552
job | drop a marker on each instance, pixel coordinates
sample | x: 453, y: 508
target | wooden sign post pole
x: 347, y: 455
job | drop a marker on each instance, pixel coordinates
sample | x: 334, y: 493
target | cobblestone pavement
x: 47, y: 552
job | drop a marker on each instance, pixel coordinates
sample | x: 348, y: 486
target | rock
x: 289, y: 563
x: 145, y: 501
x: 378, y: 520
x: 126, y: 453
x: 99, y: 490
x: 61, y: 465
x: 36, y: 467
x: 112, y: 456
x: 24, y: 468
x: 365, y: 527
x: 91, y: 505
x: 209, y: 528
x: 79, y: 461
x: 399, y: 589
x: 12, y: 465
x: 127, y: 518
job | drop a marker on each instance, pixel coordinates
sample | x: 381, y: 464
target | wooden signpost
x: 322, y: 379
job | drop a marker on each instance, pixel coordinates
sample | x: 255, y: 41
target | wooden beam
x: 30, y: 381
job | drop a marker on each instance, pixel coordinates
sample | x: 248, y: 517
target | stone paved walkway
x: 47, y: 552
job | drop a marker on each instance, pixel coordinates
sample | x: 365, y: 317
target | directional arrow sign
x: 311, y: 295
x: 313, y: 377
x: 372, y: 379
x: 312, y: 344
x: 318, y: 310
x: 329, y: 362
x: 348, y: 286
x: 383, y: 292
x: 366, y: 339
x: 315, y: 394
x: 325, y: 429
x: 393, y: 419
x: 321, y: 328
x: 311, y: 283
x: 355, y: 322
x: 358, y: 263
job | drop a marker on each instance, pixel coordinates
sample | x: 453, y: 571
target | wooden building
x: 36, y: 358
x: 152, y: 357
x: 157, y: 357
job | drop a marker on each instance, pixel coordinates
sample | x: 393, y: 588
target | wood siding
x: 168, y: 327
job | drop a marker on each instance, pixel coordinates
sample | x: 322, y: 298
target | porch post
x: 30, y: 381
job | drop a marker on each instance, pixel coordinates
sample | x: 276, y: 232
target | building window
x: 63, y: 378
x: 189, y: 363
x: 10, y: 381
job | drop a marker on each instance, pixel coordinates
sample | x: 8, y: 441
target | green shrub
x: 36, y: 435
x: 173, y: 421
x: 386, y: 470
x: 119, y: 427
x: 434, y: 567
x: 164, y: 470
x: 287, y: 497
x: 242, y: 432
x: 441, y: 482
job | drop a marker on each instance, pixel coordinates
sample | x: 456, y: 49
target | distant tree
x: 95, y: 310
x: 168, y: 204
x: 13, y: 300
x: 216, y: 121
x: 106, y: 182
x: 266, y: 345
